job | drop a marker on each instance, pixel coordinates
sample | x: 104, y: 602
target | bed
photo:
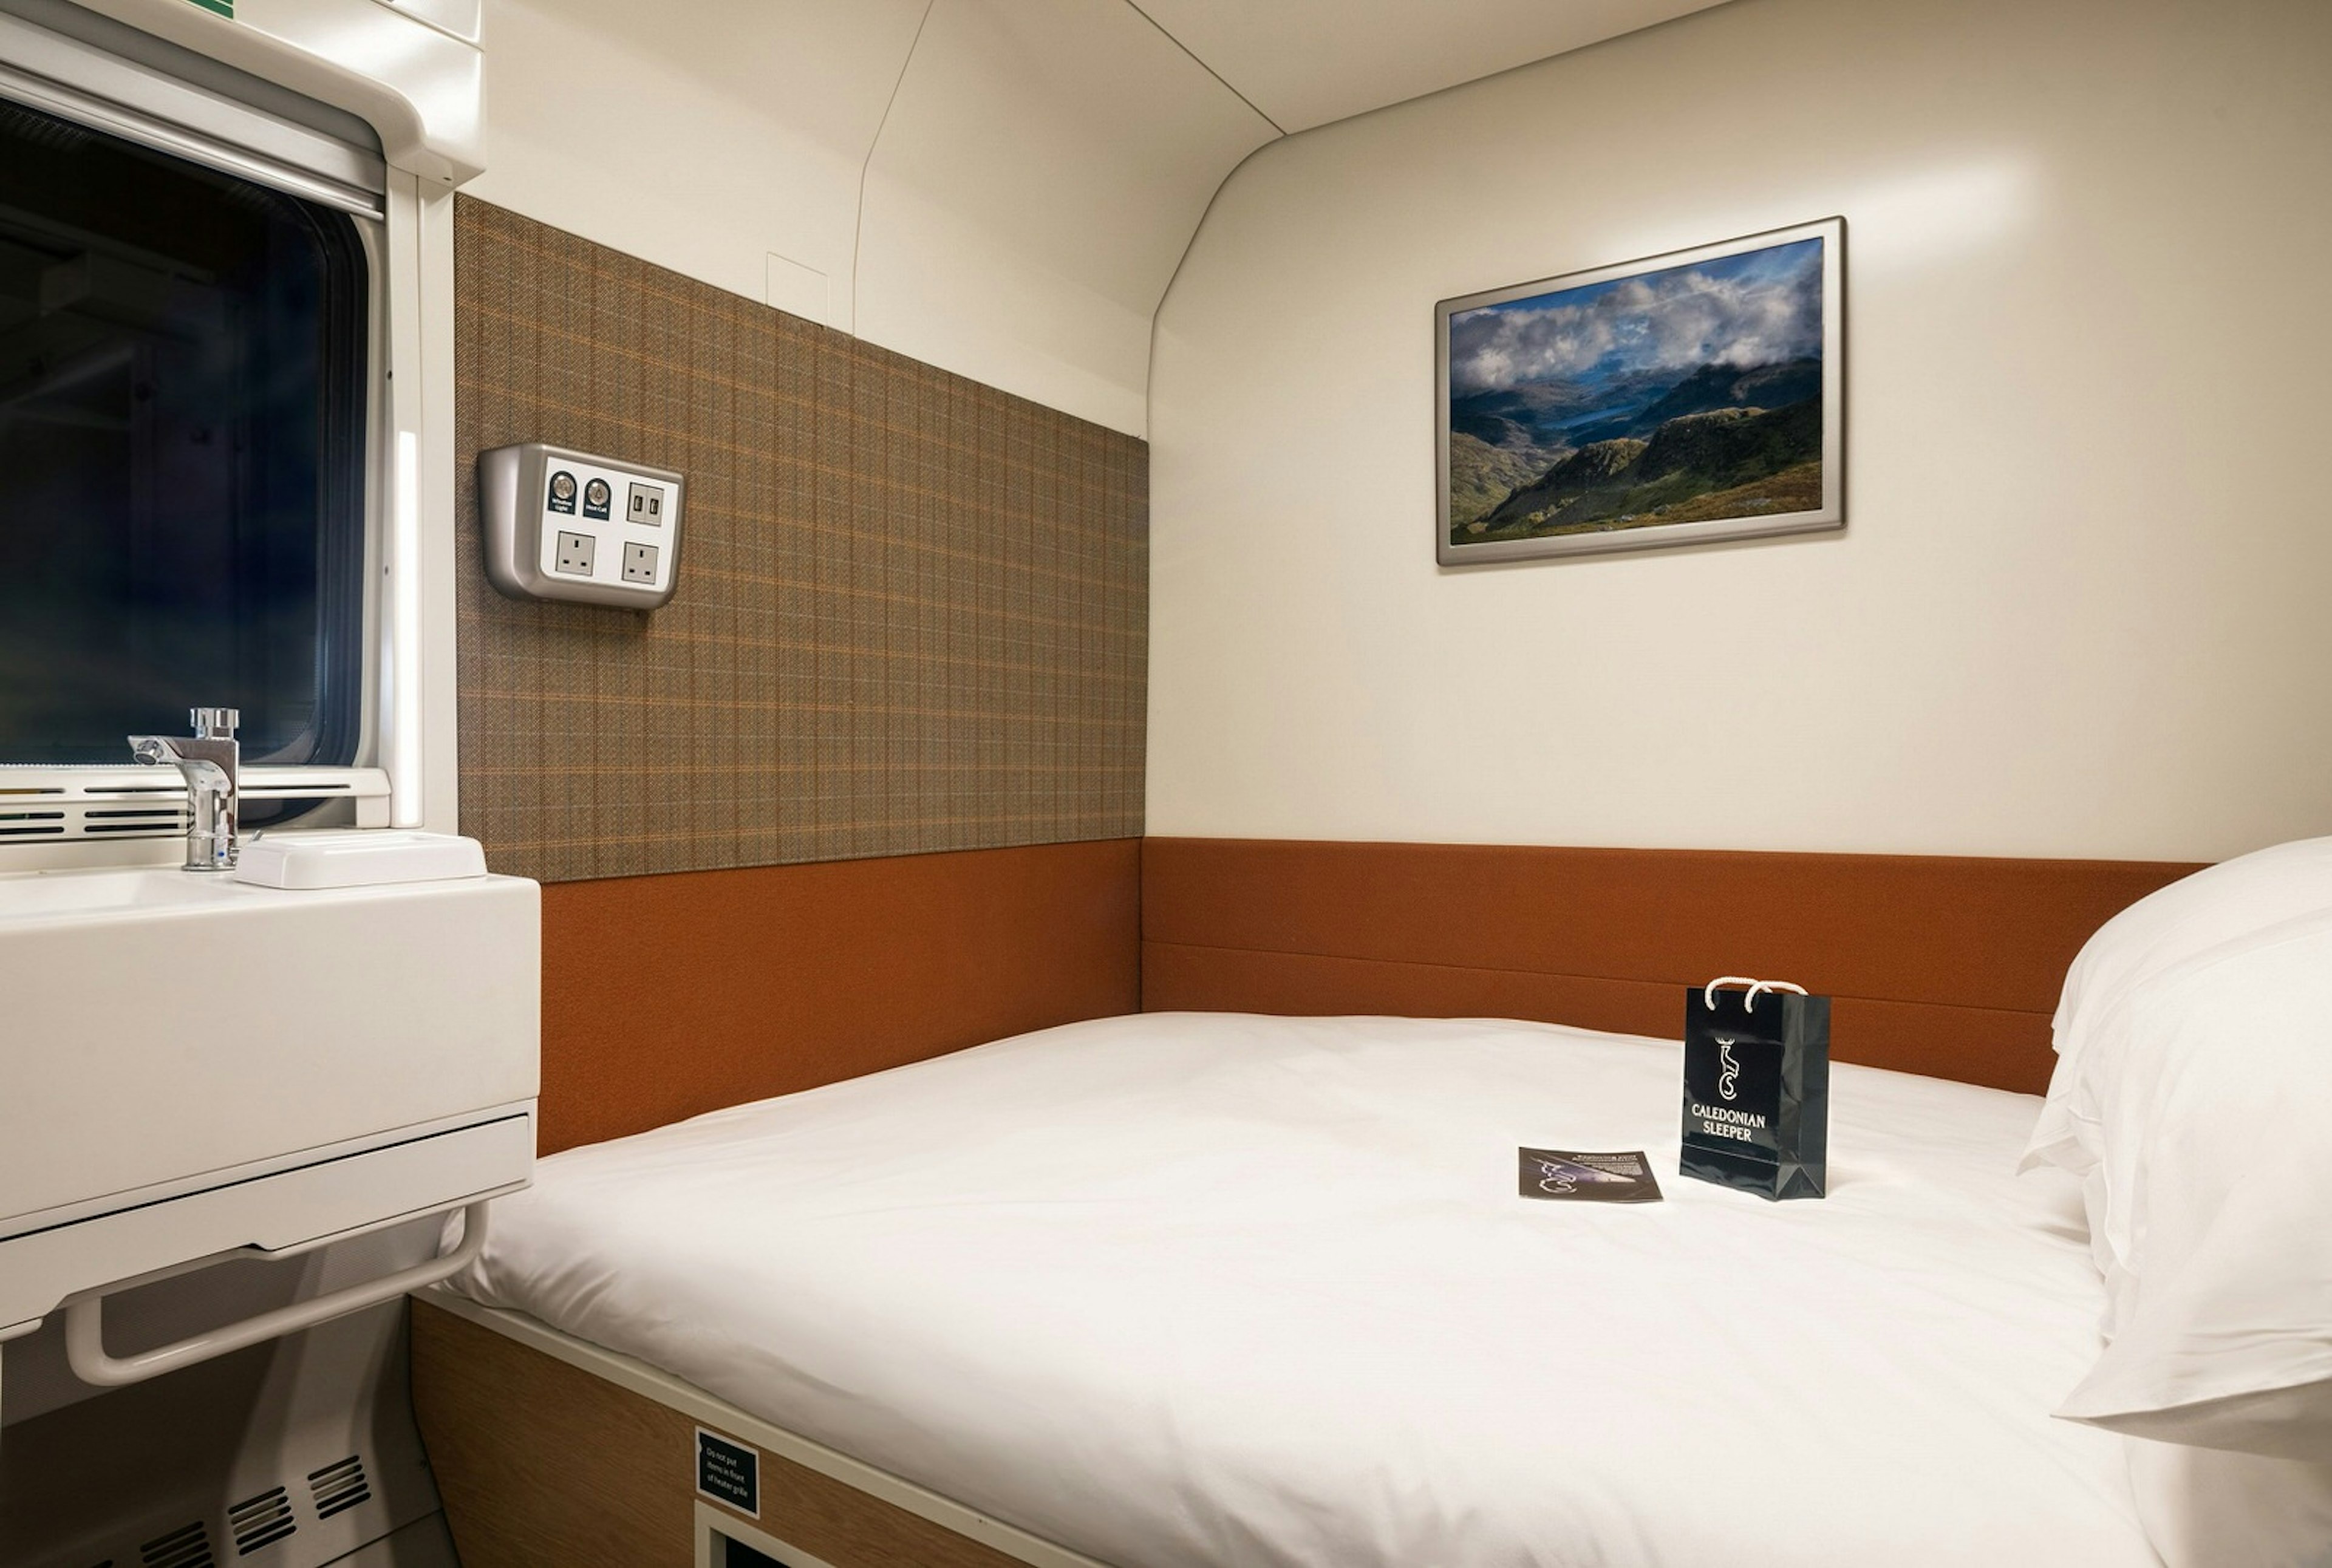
x: 1186, y: 1289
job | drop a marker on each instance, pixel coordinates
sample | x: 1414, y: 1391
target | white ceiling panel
x: 1032, y: 190
x: 1306, y: 62
x: 706, y: 138
x: 1002, y: 188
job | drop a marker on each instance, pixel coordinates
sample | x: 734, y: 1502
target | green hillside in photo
x: 1730, y: 462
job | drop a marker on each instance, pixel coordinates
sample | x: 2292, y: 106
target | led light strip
x: 404, y: 659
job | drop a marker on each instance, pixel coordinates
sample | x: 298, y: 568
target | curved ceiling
x: 1000, y: 188
x: 1306, y: 62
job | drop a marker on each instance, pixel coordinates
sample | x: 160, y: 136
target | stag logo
x: 1731, y: 1076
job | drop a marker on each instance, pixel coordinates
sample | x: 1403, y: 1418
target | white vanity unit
x: 196, y: 1066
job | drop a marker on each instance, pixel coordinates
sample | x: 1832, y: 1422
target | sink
x: 162, y: 1029
x: 41, y: 896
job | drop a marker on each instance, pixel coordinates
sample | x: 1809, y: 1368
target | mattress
x: 1201, y: 1289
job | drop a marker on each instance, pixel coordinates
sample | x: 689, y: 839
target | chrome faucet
x: 208, y: 759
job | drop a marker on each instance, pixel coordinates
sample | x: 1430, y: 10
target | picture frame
x: 1676, y: 400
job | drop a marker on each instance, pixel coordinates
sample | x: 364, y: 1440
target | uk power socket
x: 561, y: 524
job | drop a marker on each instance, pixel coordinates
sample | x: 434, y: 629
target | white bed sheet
x: 1198, y: 1289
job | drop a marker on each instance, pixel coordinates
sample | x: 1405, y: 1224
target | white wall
x: 2083, y: 606
x: 700, y: 138
x: 1000, y: 188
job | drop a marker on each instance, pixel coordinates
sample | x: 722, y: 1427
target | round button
x: 563, y: 486
x: 596, y: 495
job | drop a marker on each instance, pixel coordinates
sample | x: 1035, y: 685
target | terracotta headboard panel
x: 668, y: 996
x: 1939, y: 965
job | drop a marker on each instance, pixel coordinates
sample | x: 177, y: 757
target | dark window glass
x: 181, y: 447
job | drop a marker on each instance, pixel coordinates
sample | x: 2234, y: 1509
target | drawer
x: 286, y: 1211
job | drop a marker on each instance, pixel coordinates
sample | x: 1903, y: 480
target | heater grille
x: 260, y: 1521
x: 339, y: 1487
x: 188, y: 1546
x: 51, y: 812
x: 90, y: 803
x: 54, y: 805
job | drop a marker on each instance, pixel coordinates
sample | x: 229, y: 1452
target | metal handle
x: 85, y: 1319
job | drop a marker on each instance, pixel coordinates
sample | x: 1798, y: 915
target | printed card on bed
x: 1620, y: 1178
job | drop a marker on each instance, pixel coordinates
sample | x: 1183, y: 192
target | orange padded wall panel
x: 1940, y: 965
x: 668, y: 996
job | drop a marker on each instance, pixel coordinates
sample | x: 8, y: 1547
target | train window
x: 182, y: 451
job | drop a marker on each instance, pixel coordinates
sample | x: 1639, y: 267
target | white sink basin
x: 41, y: 896
x: 159, y: 1028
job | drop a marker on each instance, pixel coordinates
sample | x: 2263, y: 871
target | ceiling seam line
x: 858, y: 219
x: 1202, y: 65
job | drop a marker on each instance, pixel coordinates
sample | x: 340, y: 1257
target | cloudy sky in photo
x: 1758, y: 307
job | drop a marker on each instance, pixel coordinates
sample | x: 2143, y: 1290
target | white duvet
x: 1215, y: 1289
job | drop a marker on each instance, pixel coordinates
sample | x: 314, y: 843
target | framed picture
x: 1677, y: 399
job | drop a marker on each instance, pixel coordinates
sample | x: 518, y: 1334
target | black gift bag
x: 1757, y: 1087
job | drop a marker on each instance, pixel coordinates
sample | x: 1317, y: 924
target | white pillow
x: 2161, y: 930
x: 2212, y: 1105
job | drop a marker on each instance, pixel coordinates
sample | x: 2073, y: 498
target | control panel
x: 561, y: 524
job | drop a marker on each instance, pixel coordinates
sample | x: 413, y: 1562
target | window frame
x: 211, y: 116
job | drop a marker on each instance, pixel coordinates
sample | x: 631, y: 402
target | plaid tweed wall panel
x: 911, y: 615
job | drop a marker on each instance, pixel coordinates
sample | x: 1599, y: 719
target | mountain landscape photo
x: 1680, y: 395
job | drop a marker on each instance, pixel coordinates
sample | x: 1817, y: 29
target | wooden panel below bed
x: 668, y: 996
x: 1941, y: 965
x: 540, y: 1463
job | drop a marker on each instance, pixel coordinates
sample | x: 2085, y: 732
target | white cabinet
x: 191, y: 1065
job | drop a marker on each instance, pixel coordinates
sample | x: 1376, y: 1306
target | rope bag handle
x: 1749, y: 1002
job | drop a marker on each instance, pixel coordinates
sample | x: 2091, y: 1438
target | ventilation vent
x: 32, y: 823
x: 260, y: 1521
x: 188, y: 1546
x: 53, y: 805
x: 340, y: 1487
x: 91, y: 809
